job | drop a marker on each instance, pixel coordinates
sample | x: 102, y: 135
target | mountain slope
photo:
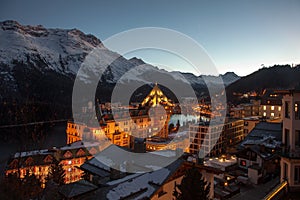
x: 39, y: 65
x: 276, y: 77
x: 39, y: 50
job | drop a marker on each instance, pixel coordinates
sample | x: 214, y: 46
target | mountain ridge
x: 39, y: 65
x: 64, y: 50
x: 274, y: 77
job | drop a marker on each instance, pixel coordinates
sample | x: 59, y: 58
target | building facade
x: 38, y: 162
x: 149, y: 120
x: 290, y: 160
x: 271, y: 105
x: 271, y: 109
x: 246, y: 109
x: 214, y: 139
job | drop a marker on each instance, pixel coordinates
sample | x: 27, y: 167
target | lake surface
x: 184, y: 119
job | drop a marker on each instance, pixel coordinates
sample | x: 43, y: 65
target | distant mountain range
x: 39, y: 65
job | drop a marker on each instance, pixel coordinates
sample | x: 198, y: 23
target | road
x: 255, y: 192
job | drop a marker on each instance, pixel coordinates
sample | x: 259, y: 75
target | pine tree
x: 13, y: 187
x: 10, y: 187
x: 192, y: 186
x: 56, y: 174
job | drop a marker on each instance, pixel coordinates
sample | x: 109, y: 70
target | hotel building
x: 149, y: 120
x: 215, y: 138
x: 39, y: 162
x: 290, y: 160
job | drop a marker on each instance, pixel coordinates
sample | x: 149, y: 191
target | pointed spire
x: 156, y: 96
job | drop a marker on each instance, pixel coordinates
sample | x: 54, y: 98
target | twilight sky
x: 238, y: 35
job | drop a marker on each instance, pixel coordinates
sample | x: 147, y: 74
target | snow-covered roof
x: 145, y: 183
x: 165, y: 153
x: 265, y: 133
x: 77, y: 188
x: 267, y: 141
x: 80, y: 144
x: 136, y: 162
x: 220, y: 163
x: 32, y: 153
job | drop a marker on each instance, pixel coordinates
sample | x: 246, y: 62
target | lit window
x: 297, y: 112
x: 272, y: 115
x: 279, y: 108
x: 272, y: 107
x: 243, y: 163
x: 265, y: 114
x: 265, y: 107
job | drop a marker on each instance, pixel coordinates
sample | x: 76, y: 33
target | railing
x: 287, y: 152
x: 277, y: 191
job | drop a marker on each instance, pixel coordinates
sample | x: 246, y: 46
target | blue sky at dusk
x: 239, y: 36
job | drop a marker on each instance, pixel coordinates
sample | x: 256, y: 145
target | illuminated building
x: 246, y: 110
x: 74, y: 132
x: 73, y: 156
x: 109, y: 130
x: 271, y: 105
x: 39, y: 162
x: 150, y: 120
x: 214, y: 139
x: 290, y: 160
x: 160, y: 109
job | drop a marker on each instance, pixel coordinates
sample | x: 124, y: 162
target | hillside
x: 39, y: 65
x: 275, y: 77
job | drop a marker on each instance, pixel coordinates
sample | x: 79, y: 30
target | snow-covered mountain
x: 32, y: 57
x: 62, y: 50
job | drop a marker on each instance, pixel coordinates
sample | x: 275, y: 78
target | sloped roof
x: 265, y: 129
x: 156, y: 96
x: 76, y: 189
x: 95, y: 167
x: 137, y: 186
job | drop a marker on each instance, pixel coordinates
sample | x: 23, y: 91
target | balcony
x: 290, y: 153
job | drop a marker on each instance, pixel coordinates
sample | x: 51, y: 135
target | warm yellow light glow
x: 271, y: 195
